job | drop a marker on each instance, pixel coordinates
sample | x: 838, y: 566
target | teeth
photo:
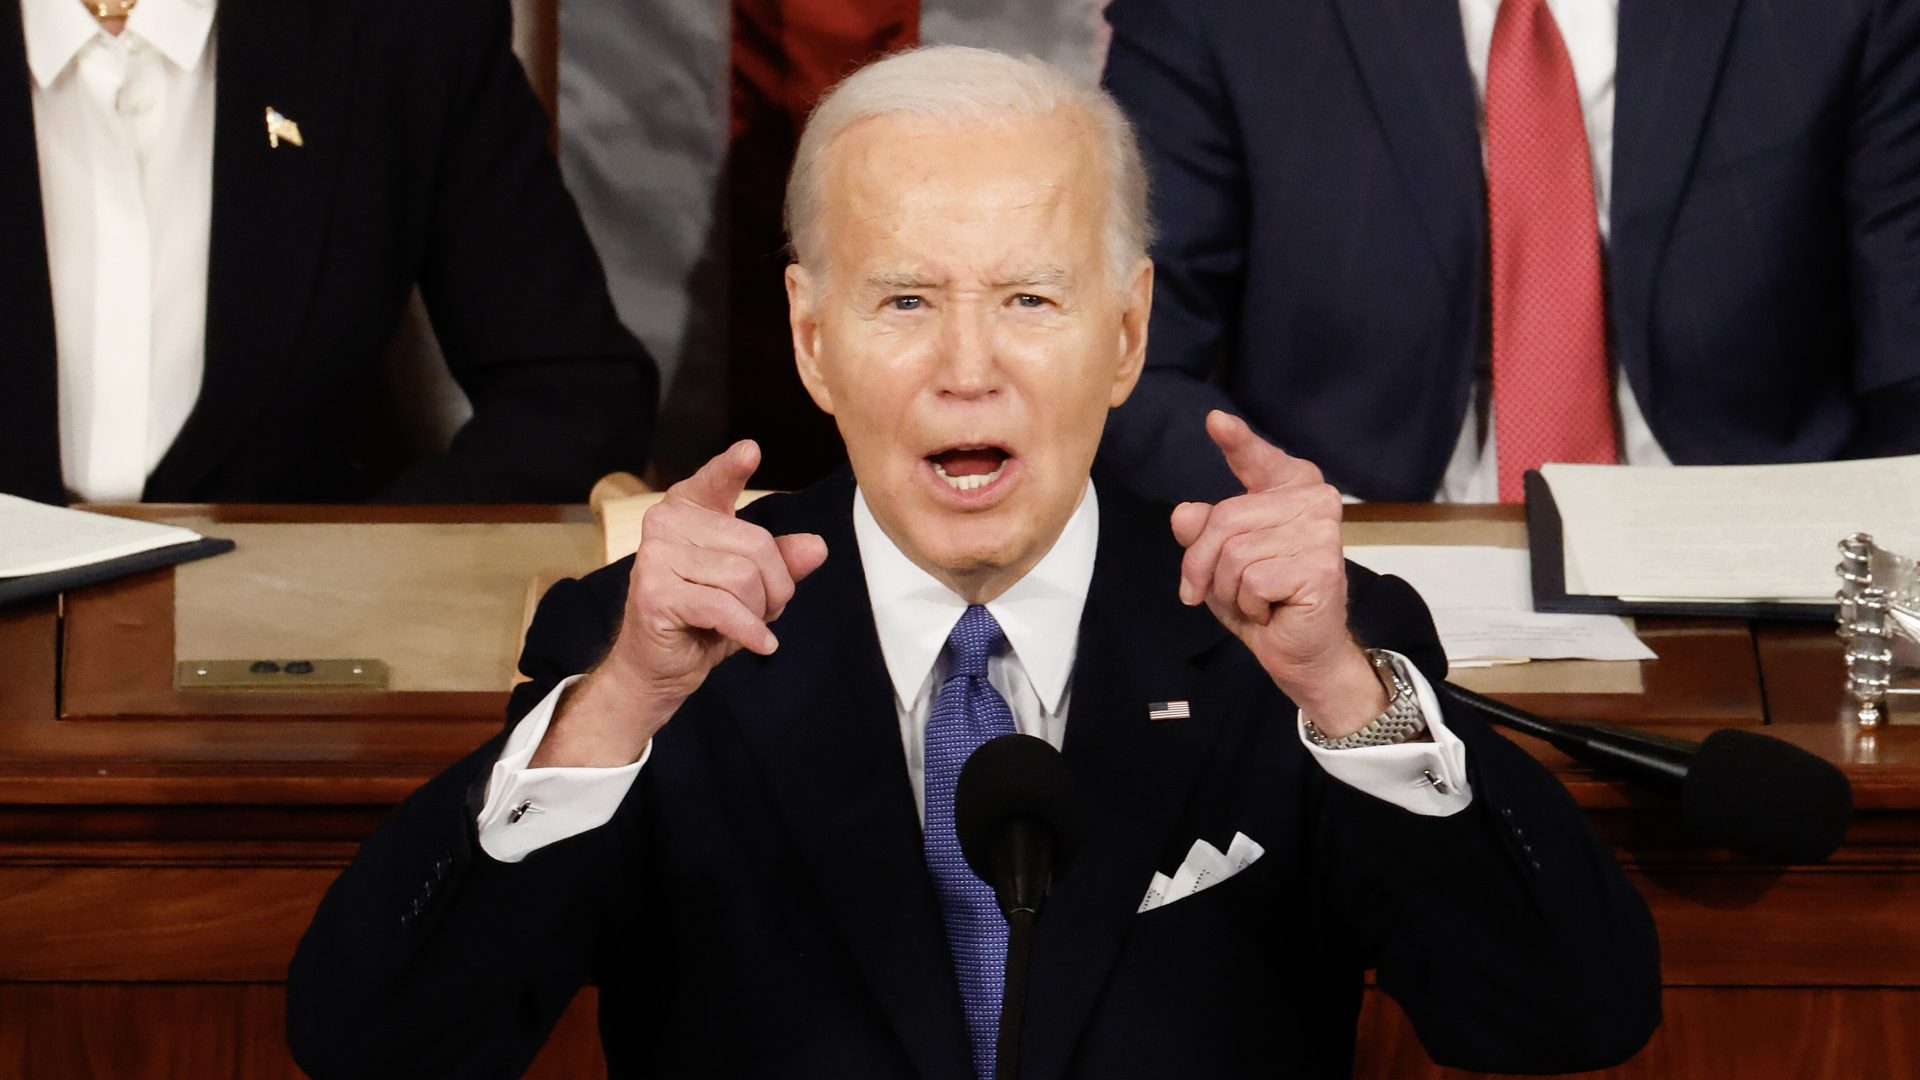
x: 969, y: 483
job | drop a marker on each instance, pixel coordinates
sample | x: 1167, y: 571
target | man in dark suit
x: 343, y: 154
x: 747, y: 840
x: 1326, y: 252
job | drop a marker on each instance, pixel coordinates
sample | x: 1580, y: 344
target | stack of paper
x: 46, y: 549
x: 1483, y: 607
x: 1727, y: 533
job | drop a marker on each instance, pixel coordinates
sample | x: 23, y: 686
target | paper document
x: 1727, y: 532
x: 39, y: 539
x: 1482, y: 605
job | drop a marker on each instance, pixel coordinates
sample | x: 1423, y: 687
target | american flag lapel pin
x: 280, y: 127
x: 1168, y: 710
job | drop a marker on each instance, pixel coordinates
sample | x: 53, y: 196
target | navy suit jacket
x: 759, y: 906
x: 1322, y: 250
x: 426, y: 163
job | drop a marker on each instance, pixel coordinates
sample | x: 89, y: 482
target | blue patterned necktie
x: 967, y: 712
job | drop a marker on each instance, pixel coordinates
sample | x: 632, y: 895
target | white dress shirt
x: 1590, y: 29
x: 913, y: 613
x: 124, y: 130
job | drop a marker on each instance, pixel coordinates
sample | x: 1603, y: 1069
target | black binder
x: 1546, y: 556
x: 32, y: 586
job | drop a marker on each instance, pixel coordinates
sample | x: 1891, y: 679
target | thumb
x: 1190, y: 520
x: 718, y: 484
x: 802, y: 552
x: 1257, y: 463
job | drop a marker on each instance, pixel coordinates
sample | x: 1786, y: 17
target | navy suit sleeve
x: 1883, y: 215
x: 1507, y: 931
x: 562, y: 394
x: 1161, y: 71
x: 427, y: 957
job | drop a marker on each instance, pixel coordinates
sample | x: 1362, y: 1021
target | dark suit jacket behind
x: 425, y: 161
x: 759, y: 906
x: 1322, y: 209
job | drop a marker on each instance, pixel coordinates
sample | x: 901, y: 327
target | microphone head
x: 1766, y: 799
x: 1008, y: 779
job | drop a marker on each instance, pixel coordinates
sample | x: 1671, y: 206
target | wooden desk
x: 160, y: 853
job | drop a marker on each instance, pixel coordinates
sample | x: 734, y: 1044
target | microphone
x: 1750, y: 793
x: 1018, y: 820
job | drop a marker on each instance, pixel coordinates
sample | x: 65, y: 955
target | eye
x: 906, y: 303
x: 1029, y: 300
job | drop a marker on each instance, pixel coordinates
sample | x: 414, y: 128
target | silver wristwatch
x: 1401, y: 722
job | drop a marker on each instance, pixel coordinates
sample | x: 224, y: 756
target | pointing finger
x: 1256, y: 462
x: 718, y: 484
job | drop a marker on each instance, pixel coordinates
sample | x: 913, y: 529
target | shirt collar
x: 177, y: 28
x: 56, y: 31
x: 1040, y: 613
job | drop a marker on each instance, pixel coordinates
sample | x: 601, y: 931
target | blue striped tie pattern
x: 966, y: 713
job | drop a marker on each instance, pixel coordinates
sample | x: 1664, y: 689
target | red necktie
x: 1552, y: 395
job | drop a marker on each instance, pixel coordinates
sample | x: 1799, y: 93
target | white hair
x: 963, y: 85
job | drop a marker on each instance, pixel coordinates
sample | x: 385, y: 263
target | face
x: 962, y: 326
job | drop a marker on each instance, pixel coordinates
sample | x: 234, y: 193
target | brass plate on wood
x: 272, y: 675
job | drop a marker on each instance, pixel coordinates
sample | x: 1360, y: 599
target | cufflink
x: 526, y: 807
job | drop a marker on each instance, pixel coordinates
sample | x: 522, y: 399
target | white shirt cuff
x: 1428, y: 778
x: 527, y: 809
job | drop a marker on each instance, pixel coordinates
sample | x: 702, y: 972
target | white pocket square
x: 1204, y: 868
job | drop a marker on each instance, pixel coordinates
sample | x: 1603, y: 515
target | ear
x: 1138, y: 298
x: 803, y: 297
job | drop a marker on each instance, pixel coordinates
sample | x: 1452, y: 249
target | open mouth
x: 969, y: 468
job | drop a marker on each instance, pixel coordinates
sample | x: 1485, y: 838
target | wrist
x: 601, y: 721
x: 1348, y: 697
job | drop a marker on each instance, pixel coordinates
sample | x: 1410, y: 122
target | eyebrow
x: 1038, y: 277
x: 1048, y: 276
x: 901, y: 280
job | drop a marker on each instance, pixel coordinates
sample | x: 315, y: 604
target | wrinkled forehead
x: 996, y: 199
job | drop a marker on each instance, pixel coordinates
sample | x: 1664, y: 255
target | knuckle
x: 1263, y: 577
x: 1324, y: 534
x: 742, y: 578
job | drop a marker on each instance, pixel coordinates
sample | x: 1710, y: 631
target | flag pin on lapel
x: 280, y: 127
x: 1168, y: 710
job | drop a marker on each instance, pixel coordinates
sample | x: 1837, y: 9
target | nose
x: 968, y: 367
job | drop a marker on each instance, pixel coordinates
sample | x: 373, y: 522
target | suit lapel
x: 1137, y: 644
x: 29, y: 374
x: 1413, y: 57
x: 819, y: 719
x: 270, y: 211
x: 1670, y: 58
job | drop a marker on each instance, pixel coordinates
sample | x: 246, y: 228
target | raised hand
x: 704, y: 584
x: 1269, y: 565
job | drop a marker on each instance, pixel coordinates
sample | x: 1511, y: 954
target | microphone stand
x: 1025, y: 858
x: 1013, y: 1002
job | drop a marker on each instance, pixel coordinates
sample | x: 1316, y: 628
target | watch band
x: 1401, y: 721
